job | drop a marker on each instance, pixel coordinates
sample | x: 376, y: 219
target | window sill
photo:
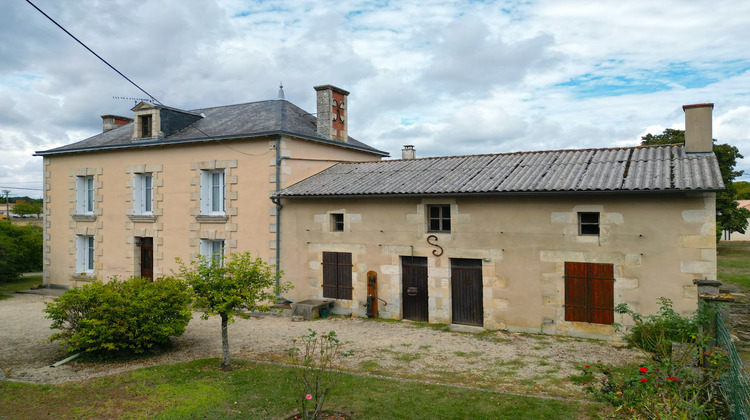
x: 203, y: 218
x: 142, y: 217
x: 83, y: 277
x: 84, y: 217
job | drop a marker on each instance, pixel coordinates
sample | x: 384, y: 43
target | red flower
x: 587, y: 366
x: 644, y: 380
x: 643, y: 370
x: 671, y: 378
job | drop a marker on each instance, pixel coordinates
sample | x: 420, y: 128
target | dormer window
x: 146, y: 125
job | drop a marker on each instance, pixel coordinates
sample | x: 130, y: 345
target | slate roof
x: 642, y: 168
x: 254, y: 119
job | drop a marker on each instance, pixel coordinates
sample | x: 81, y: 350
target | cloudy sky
x: 458, y: 77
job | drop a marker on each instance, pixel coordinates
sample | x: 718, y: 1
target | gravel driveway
x: 496, y: 360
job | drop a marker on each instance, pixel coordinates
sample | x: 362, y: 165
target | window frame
x: 441, y: 219
x: 586, y: 228
x: 337, y: 275
x: 85, y: 190
x: 85, y: 254
x: 337, y: 222
x: 146, y: 122
x: 214, y: 249
x: 143, y: 193
x: 213, y: 192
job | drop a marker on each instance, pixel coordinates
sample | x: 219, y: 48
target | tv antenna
x: 136, y: 100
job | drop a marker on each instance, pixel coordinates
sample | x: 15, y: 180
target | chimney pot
x: 698, y: 130
x: 110, y: 122
x: 408, y: 152
x: 332, y: 112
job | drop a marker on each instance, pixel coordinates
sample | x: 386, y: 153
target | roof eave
x: 204, y: 139
x: 497, y: 193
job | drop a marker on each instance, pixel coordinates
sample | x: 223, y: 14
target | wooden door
x: 466, y: 291
x: 147, y: 258
x: 414, y: 292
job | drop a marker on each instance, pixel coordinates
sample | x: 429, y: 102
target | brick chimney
x: 408, y: 152
x: 698, y: 134
x: 332, y: 105
x: 110, y: 122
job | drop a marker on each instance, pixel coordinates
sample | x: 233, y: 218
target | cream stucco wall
x: 176, y: 227
x: 657, y: 243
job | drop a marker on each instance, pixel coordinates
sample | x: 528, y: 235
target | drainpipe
x: 277, y: 201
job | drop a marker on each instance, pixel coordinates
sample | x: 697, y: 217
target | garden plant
x: 231, y: 287
x: 134, y: 315
x: 316, y: 354
x: 675, y: 384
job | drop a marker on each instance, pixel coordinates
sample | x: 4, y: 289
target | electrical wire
x: 20, y: 188
x: 95, y: 54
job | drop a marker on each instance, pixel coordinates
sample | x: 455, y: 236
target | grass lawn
x: 734, y: 263
x: 23, y: 283
x: 199, y: 389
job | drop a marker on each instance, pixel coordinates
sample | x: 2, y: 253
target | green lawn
x: 199, y: 389
x: 23, y: 283
x: 734, y: 263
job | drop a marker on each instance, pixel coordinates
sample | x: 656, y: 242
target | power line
x: 92, y: 52
x: 20, y: 188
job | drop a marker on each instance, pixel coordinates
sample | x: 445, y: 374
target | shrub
x: 133, y: 315
x: 655, y: 333
x: 20, y: 249
x: 672, y: 386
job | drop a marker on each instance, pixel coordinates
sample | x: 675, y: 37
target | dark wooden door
x: 466, y: 291
x: 414, y: 293
x: 589, y: 292
x: 147, y: 258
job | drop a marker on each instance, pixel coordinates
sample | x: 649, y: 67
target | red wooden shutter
x: 589, y: 292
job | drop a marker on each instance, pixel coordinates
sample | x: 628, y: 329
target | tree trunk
x: 226, y: 363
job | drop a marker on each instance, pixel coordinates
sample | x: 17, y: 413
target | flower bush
x: 316, y: 355
x: 672, y: 386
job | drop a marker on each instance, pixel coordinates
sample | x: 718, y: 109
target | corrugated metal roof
x: 252, y: 119
x: 642, y: 168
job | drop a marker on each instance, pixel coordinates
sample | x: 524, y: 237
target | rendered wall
x: 176, y: 231
x: 658, y: 243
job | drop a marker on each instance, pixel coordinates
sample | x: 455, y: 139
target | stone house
x: 170, y: 183
x: 538, y: 241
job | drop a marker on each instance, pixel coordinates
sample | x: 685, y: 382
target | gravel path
x: 498, y: 360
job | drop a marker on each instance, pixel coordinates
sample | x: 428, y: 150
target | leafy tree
x: 728, y: 215
x: 231, y: 287
x: 20, y: 250
x: 24, y: 208
x: 743, y: 190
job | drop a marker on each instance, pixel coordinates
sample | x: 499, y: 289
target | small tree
x: 24, y: 207
x: 231, y: 287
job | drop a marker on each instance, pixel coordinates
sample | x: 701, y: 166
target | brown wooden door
x: 147, y: 258
x: 414, y: 293
x: 589, y: 292
x: 466, y: 291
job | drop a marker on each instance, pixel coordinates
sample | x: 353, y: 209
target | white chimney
x: 408, y: 152
x: 698, y: 132
x: 332, y: 118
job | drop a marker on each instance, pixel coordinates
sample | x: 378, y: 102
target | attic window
x: 588, y: 223
x: 145, y: 121
x: 337, y: 222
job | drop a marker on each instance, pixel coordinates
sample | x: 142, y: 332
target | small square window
x: 337, y: 222
x: 588, y: 223
x: 439, y: 218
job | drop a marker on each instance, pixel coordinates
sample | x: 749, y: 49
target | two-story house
x: 170, y: 183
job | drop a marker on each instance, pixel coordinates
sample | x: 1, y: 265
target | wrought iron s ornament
x: 436, y: 252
